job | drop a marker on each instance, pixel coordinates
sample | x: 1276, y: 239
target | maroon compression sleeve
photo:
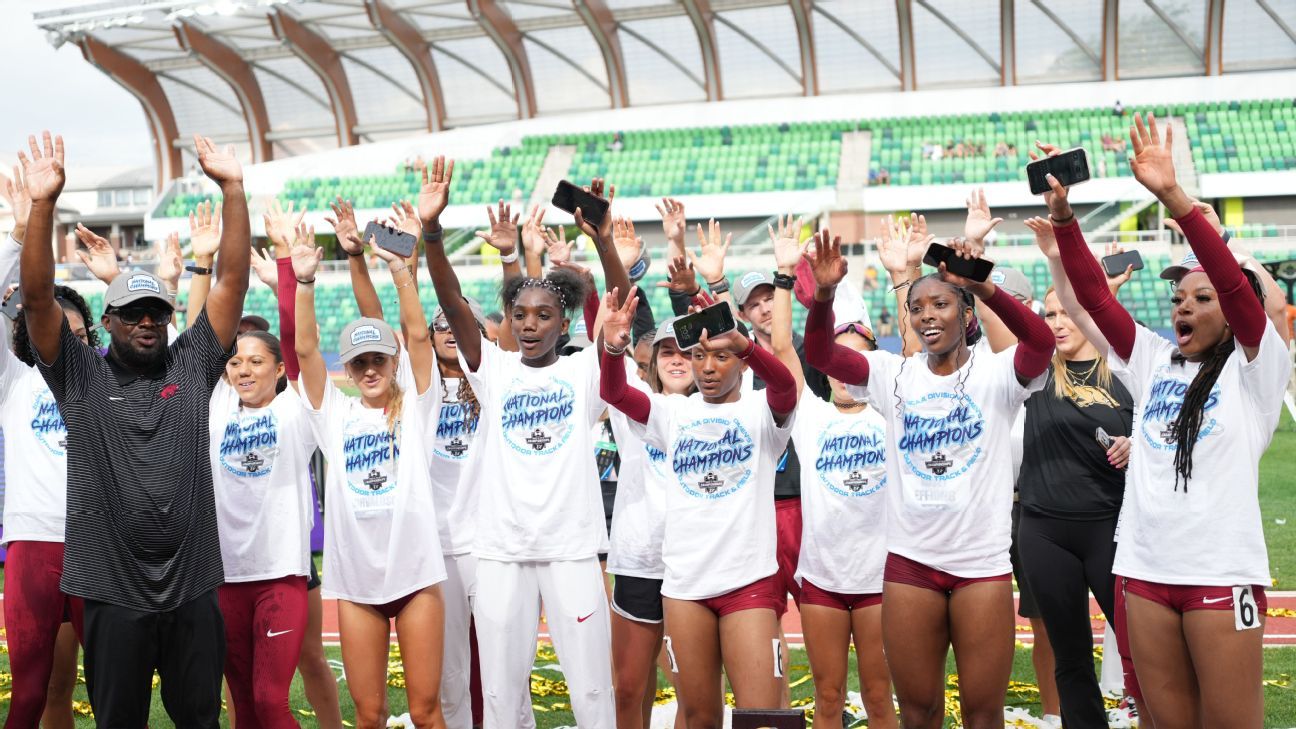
x: 590, y: 313
x: 616, y: 392
x: 1034, y: 338
x: 1090, y: 286
x: 287, y: 290
x: 827, y: 356
x: 780, y: 385
x: 1242, y: 309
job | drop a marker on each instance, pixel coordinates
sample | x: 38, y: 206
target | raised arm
x: 170, y: 264
x: 286, y: 289
x: 98, y: 257
x: 204, y: 242
x: 44, y: 176
x: 503, y: 236
x: 900, y: 248
x: 787, y: 255
x: 713, y: 246
x: 306, y: 258
x: 780, y: 385
x: 614, y: 390
x: 347, y: 232
x: 433, y: 198
x: 15, y: 194
x: 534, y: 242
x: 615, y: 277
x: 418, y: 338
x: 1048, y: 245
x: 1153, y: 166
x: 822, y: 353
x: 225, y: 303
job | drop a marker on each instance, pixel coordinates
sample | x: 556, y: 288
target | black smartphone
x: 568, y: 197
x: 1116, y: 265
x: 716, y: 319
x: 391, y: 239
x: 10, y: 306
x: 1104, y: 440
x: 977, y: 269
x: 1070, y: 167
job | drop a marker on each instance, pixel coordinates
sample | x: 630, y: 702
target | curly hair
x: 565, y: 286
x: 70, y: 300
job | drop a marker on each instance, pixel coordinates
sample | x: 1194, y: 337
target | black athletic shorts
x: 637, y: 598
x: 313, y: 581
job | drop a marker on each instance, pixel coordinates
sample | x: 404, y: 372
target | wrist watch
x: 198, y: 270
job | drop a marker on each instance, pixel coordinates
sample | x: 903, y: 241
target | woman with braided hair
x: 35, y: 608
x: 949, y: 411
x: 1191, y: 549
x: 538, y: 522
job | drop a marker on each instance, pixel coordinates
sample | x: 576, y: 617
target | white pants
x: 507, y: 610
x: 458, y: 592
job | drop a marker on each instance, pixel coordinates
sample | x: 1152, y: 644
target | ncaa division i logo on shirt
x: 712, y: 457
x: 537, y: 416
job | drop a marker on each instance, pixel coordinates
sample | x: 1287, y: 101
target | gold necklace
x: 1082, y: 379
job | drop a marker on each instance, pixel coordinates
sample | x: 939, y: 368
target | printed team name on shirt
x: 454, y: 434
x: 47, y: 423
x: 1165, y: 400
x: 940, y: 439
x: 852, y: 460
x: 370, y: 477
x: 713, y: 457
x: 656, y: 460
x: 250, y: 445
x: 537, y: 418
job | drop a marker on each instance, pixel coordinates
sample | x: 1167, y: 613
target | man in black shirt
x: 142, y: 546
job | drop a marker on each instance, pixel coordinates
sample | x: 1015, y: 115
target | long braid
x: 468, y: 400
x: 1187, y: 425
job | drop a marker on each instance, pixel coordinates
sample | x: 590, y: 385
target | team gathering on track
x: 265, y: 468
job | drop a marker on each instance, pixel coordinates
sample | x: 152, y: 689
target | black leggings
x: 1063, y: 560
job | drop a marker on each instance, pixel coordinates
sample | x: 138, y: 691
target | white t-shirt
x: 537, y: 489
x: 379, y: 509
x: 639, y: 513
x: 720, y: 533
x: 949, y: 457
x: 843, y: 497
x: 1207, y: 531
x: 260, y: 464
x: 35, y: 443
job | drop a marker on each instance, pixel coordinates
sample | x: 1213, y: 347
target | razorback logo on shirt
x: 169, y: 391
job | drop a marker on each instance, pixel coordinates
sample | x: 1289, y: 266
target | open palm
x: 219, y: 164
x: 435, y: 193
x: 44, y: 172
x: 826, y: 260
x: 1152, y: 163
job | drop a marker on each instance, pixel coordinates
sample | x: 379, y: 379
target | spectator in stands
x: 140, y: 499
x: 884, y: 320
x: 617, y: 144
x: 883, y: 177
x: 1000, y: 149
x: 1118, y: 109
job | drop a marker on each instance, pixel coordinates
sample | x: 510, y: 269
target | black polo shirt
x: 141, y: 515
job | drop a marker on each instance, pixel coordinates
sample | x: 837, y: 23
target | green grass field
x: 553, y: 710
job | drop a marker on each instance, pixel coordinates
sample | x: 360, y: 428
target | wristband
x: 198, y: 270
x: 510, y: 258
x: 751, y: 348
x: 1065, y: 221
x: 639, y: 268
x: 357, y: 254
x: 782, y: 281
x: 612, y: 350
x: 718, y: 287
x: 1225, y: 236
x: 433, y: 236
x: 304, y: 282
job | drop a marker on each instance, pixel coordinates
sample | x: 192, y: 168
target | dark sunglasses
x: 133, y: 315
x: 440, y: 325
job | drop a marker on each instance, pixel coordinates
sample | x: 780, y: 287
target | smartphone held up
x: 1068, y: 168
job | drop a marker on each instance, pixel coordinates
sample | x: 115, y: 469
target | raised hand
x: 709, y: 261
x: 1152, y: 163
x: 682, y: 279
x: 604, y: 231
x: 280, y: 225
x: 1056, y: 197
x: 917, y: 241
x: 204, y: 231
x: 405, y: 219
x: 99, y: 256
x: 503, y: 229
x: 1207, y: 212
x: 344, y: 226
x: 787, y: 243
x: 221, y: 166
x: 435, y: 193
x: 1115, y: 282
x: 731, y: 341
x: 628, y: 245
x: 534, y: 240
x: 15, y: 194
x: 306, y: 257
x: 618, y: 320
x: 556, y: 245
x: 43, y: 173
x: 826, y: 261
x: 674, y: 223
x: 1044, y: 238
x: 979, y: 222
x: 170, y: 261
x: 965, y: 250
x: 266, y: 268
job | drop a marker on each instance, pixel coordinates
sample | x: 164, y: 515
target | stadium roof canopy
x: 285, y: 77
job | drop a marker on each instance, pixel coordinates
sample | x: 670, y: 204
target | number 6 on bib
x: 1245, y: 613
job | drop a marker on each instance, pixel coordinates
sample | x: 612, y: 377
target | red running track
x: 1279, y: 631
